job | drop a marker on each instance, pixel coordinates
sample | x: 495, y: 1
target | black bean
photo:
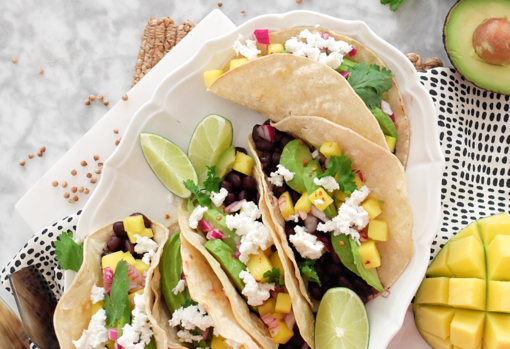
x: 249, y: 184
x: 242, y: 195
x: 363, y: 297
x: 271, y: 168
x: 333, y: 269
x: 114, y: 244
x: 146, y: 221
x: 253, y: 198
x: 335, y: 258
x: 231, y: 197
x: 319, y: 268
x: 342, y: 281
x: 118, y: 229
x: 227, y: 185
x: 128, y: 247
x: 255, y: 134
x: 315, y: 290
x: 278, y: 191
x: 276, y: 157
x: 289, y: 230
x: 235, y: 179
x: 326, y: 279
x: 106, y: 253
x: 278, y: 135
x: 285, y: 139
x: 241, y: 150
x: 295, y: 196
x: 264, y: 145
x: 267, y: 122
x: 265, y: 159
x: 361, y: 285
x: 298, y: 340
x: 138, y: 255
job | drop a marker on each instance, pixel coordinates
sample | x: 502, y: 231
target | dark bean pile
x: 120, y: 241
x: 239, y: 186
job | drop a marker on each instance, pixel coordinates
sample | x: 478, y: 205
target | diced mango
x: 283, y: 303
x: 238, y: 62
x: 286, y: 205
x: 439, y: 266
x: 434, y: 320
x: 110, y: 344
x: 378, y: 229
x: 358, y: 181
x: 498, y: 258
x: 277, y: 262
x: 466, y: 258
x: 274, y: 48
x: 433, y: 291
x: 211, y: 75
x: 497, y: 335
x: 341, y: 196
x: 128, y: 257
x: 470, y: 230
x: 243, y: 163
x: 131, y: 296
x: 257, y: 265
x: 145, y: 232
x: 268, y: 251
x: 494, y: 225
x: 436, y: 342
x: 111, y: 260
x: 95, y: 307
x: 141, y: 266
x: 284, y: 333
x: 467, y: 293
x: 369, y: 254
x: 320, y: 194
x: 303, y: 204
x: 498, y: 296
x: 278, y: 316
x: 372, y: 206
x: 134, y: 224
x: 467, y: 328
x: 218, y: 343
x: 267, y: 307
x: 329, y: 149
x: 391, y: 142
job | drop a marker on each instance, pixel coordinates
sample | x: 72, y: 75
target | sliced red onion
x: 305, y: 346
x: 108, y: 279
x: 353, y: 51
x: 319, y: 214
x: 235, y: 206
x: 282, y: 203
x: 134, y: 286
x: 274, y: 325
x: 267, y: 132
x: 134, y: 274
x: 215, y: 234
x: 302, y: 214
x: 205, y: 225
x: 274, y: 331
x: 325, y: 36
x: 386, y: 294
x: 363, y: 235
x: 113, y: 334
x: 205, y: 333
x: 325, y: 241
x: 237, y: 254
x: 273, y: 294
x: 290, y: 320
x: 267, y: 318
x: 311, y: 223
x: 386, y: 108
x: 392, y: 116
x: 262, y: 36
x: 118, y: 346
x: 183, y: 276
x: 345, y: 74
x: 144, y: 277
x: 360, y: 174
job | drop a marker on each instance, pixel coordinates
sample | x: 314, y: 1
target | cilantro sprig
x: 394, y: 4
x: 202, y: 195
x: 68, y: 253
x: 369, y: 82
x: 307, y: 268
x: 275, y: 276
x: 117, y: 301
x: 340, y: 168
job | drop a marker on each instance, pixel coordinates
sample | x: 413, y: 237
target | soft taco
x: 339, y: 206
x: 315, y: 71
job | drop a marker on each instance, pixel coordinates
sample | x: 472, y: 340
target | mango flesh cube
x: 329, y: 149
x: 479, y: 346
x: 286, y: 205
x: 95, y: 307
x: 243, y: 164
x: 439, y: 266
x: 141, y: 266
x: 110, y: 344
x: 497, y: 334
x: 283, y: 303
x: 378, y: 230
x: 498, y: 258
x: 436, y: 342
x: 267, y: 307
x: 284, y: 333
x: 145, y: 232
x: 371, y: 205
x: 211, y: 75
x: 466, y: 258
x: 237, y: 62
x: 218, y: 343
x: 268, y: 252
x: 391, y: 142
x: 498, y: 296
x: 433, y: 291
x: 358, y: 181
x: 274, y: 48
x: 369, y: 254
x: 303, y: 204
x: 134, y: 224
x: 257, y: 265
x: 128, y: 257
x: 434, y: 320
x: 467, y: 293
x: 111, y: 260
x: 278, y: 316
x: 340, y: 195
x: 277, y: 263
x: 467, y: 328
x: 470, y: 230
x: 494, y: 225
x: 320, y: 194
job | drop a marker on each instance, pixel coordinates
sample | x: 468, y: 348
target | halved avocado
x: 459, y: 30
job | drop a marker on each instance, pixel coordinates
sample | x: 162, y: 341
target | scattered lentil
x: 125, y: 97
x: 100, y: 164
x: 83, y: 163
x: 81, y: 189
x: 64, y: 184
x: 42, y: 148
x: 30, y: 156
x: 243, y: 13
x: 14, y: 60
x: 86, y: 191
x: 220, y: 4
x: 99, y: 97
x: 39, y: 153
x: 41, y: 71
x: 98, y: 171
x: 116, y: 131
x: 73, y: 172
x: 298, y: 1
x: 92, y: 97
x: 74, y: 190
x: 96, y: 157
x: 117, y: 142
x: 71, y: 201
x: 105, y: 102
x: 22, y: 162
x: 75, y: 198
x: 93, y: 180
x: 87, y: 102
x: 67, y: 195
x: 89, y: 175
x: 54, y: 183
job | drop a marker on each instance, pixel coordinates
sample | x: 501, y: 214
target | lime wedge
x: 168, y: 162
x: 342, y: 321
x: 211, y: 137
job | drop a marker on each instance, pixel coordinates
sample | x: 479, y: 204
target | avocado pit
x: 491, y: 41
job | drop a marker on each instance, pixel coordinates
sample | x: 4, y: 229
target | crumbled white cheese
x: 333, y: 60
x: 249, y: 50
x: 139, y: 333
x: 317, y: 26
x: 196, y: 215
x: 148, y: 256
x: 186, y: 336
x: 256, y: 292
x: 315, y: 154
x: 329, y: 183
x: 254, y: 234
x: 144, y: 244
x: 306, y: 244
x: 351, y: 217
x: 97, y: 294
x: 173, y: 199
x: 293, y: 217
x: 192, y: 317
x: 96, y: 335
x: 181, y: 285
x: 276, y: 178
x: 318, y: 202
x: 218, y: 198
x: 233, y: 344
x: 215, y: 332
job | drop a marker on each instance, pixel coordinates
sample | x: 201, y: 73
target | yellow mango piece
x: 257, y: 265
x: 391, y: 142
x: 467, y: 258
x: 497, y: 335
x: 141, y: 266
x: 470, y: 230
x: 134, y: 224
x: 267, y: 307
x: 498, y: 258
x: 277, y: 262
x: 218, y: 343
x: 439, y: 266
x: 320, y: 194
x: 467, y: 293
x: 283, y: 303
x: 372, y: 206
x: 498, y: 296
x: 268, y: 251
x: 95, y: 307
x: 358, y: 181
x: 434, y: 320
x: 145, y: 232
x: 436, y: 342
x: 479, y: 346
x: 111, y: 260
x: 274, y: 48
x: 494, y: 225
x: 303, y: 204
x: 369, y: 254
x: 278, y: 316
x: 110, y: 344
x: 433, y: 291
x: 329, y: 149
x: 238, y: 62
x: 243, y: 164
x: 211, y: 75
x: 284, y: 334
x: 131, y: 296
x: 378, y: 229
x: 467, y: 328
x: 286, y: 205
x: 128, y: 257
x: 340, y: 195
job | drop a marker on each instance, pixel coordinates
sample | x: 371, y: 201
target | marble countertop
x: 90, y: 47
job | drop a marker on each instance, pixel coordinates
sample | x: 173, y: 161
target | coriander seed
x: 86, y: 191
x: 22, y: 162
x: 116, y: 131
x: 74, y: 189
x: 117, y: 142
x: 30, y: 156
x: 14, y: 60
x: 87, y: 102
x: 125, y: 97
x: 54, y: 183
x: 220, y: 4
x: 42, y: 148
x: 83, y: 163
x: 39, y: 153
x: 105, y: 102
x: 75, y: 198
x: 89, y: 175
x: 99, y: 97
x: 81, y: 189
x: 67, y: 195
x: 98, y: 171
x: 92, y: 97
x: 243, y: 13
x: 93, y: 180
x: 64, y: 184
x: 96, y: 157
x: 73, y: 172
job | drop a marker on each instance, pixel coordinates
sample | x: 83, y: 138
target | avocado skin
x: 226, y: 162
x: 225, y: 256
x: 170, y: 268
x: 293, y: 156
x: 210, y: 215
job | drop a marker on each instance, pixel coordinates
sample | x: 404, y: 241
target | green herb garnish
x: 210, y: 184
x: 307, y: 269
x: 68, y: 253
x: 394, y: 4
x: 369, y: 82
x: 117, y: 301
x: 341, y: 166
x: 275, y: 276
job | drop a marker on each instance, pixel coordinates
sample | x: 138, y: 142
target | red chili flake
x: 314, y: 168
x: 341, y: 243
x: 167, y: 216
x: 367, y: 262
x: 218, y: 218
x: 301, y: 141
x: 305, y: 162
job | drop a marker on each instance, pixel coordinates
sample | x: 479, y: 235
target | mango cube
x: 439, y: 266
x: 111, y: 260
x: 274, y: 48
x: 303, y: 204
x: 434, y: 320
x: 467, y: 293
x: 131, y: 296
x: 498, y: 258
x: 267, y: 307
x: 358, y: 181
x: 243, y: 164
x: 286, y: 205
x: 467, y: 258
x: 110, y: 344
x: 494, y: 225
x: 284, y: 333
x: 369, y: 254
x: 268, y: 252
x: 128, y: 257
x: 211, y: 75
x: 433, y: 291
x: 391, y: 142
x: 283, y: 303
x: 372, y: 206
x: 341, y: 196
x: 378, y: 229
x: 498, y: 296
x: 134, y: 224
x: 320, y: 199
x: 277, y: 262
x: 329, y: 149
x: 95, y: 307
x: 496, y: 335
x: 467, y: 328
x: 145, y: 232
x: 257, y: 265
x: 141, y: 266
x: 470, y: 230
x: 436, y: 342
x: 238, y: 62
x: 278, y: 316
x: 218, y: 343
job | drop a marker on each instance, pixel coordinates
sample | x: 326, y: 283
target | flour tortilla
x: 73, y: 312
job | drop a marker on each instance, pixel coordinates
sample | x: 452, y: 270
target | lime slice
x: 211, y: 137
x: 168, y: 162
x: 342, y: 321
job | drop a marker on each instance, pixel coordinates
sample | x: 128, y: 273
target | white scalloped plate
x: 181, y: 101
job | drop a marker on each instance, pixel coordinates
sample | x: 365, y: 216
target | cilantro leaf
x: 189, y: 302
x: 117, y: 301
x: 307, y: 268
x: 68, y: 253
x: 210, y: 184
x: 275, y: 276
x: 196, y: 194
x: 394, y: 4
x: 369, y: 82
x: 341, y: 166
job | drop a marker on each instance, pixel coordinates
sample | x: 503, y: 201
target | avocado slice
x: 293, y: 159
x: 225, y: 256
x: 226, y: 162
x: 385, y: 122
x: 212, y: 215
x: 459, y: 31
x: 152, y: 344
